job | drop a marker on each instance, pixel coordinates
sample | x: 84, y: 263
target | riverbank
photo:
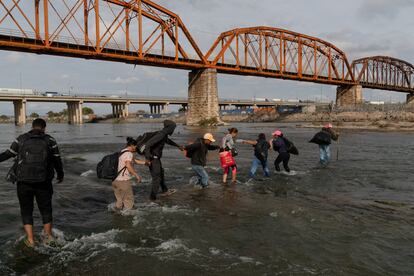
x: 378, y: 120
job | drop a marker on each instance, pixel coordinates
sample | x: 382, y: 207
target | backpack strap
x: 124, y: 168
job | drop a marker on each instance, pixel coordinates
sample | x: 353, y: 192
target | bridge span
x: 141, y: 32
x: 120, y: 105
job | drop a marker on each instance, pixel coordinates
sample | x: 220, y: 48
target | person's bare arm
x: 132, y: 171
x: 142, y: 162
x: 250, y: 142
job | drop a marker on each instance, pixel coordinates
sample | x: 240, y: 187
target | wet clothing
x: 153, y: 152
x: 199, y: 152
x: 261, y: 153
x: 202, y: 175
x: 282, y: 157
x: 256, y: 164
x: 27, y: 192
x: 158, y: 178
x: 233, y: 169
x: 324, y: 154
x: 124, y: 194
x: 42, y: 190
x: 325, y: 148
x: 279, y: 145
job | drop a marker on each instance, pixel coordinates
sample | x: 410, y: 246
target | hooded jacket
x: 155, y: 145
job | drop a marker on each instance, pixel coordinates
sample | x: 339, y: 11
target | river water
x: 353, y: 218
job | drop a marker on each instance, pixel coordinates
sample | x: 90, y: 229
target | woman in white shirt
x: 122, y: 185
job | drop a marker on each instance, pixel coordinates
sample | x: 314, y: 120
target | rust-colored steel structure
x: 278, y: 53
x: 385, y: 73
x: 137, y: 32
x: 145, y: 33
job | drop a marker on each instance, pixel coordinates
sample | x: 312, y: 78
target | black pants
x: 26, y: 192
x: 157, y: 174
x: 283, y: 157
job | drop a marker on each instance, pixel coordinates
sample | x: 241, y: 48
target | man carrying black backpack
x: 37, y: 158
x: 153, y: 149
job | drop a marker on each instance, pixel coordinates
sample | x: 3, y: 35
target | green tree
x: 34, y: 115
x: 51, y: 114
x: 87, y: 111
x: 4, y: 117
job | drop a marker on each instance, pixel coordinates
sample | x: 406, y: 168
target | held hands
x: 182, y: 148
x: 138, y: 178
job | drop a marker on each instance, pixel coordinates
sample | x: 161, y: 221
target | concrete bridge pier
x: 349, y: 95
x: 410, y: 100
x: 19, y: 112
x: 165, y: 108
x: 203, y: 102
x: 75, y: 113
x: 120, y: 110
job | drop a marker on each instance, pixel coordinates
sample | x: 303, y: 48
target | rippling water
x: 354, y: 218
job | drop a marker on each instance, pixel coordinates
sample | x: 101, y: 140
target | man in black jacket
x: 37, y: 158
x: 198, y: 154
x: 153, y: 154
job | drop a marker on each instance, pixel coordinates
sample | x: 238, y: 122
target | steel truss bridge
x: 142, y: 32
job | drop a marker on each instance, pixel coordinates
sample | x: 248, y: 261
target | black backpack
x: 142, y: 139
x: 291, y: 148
x: 33, y: 160
x: 321, y: 138
x: 108, y: 167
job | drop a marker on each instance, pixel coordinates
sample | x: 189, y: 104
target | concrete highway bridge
x: 120, y: 105
x: 141, y: 32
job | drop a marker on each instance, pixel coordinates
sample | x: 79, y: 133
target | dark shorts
x: 27, y: 192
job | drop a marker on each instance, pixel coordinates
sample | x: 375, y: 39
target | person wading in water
x: 37, y: 158
x: 153, y: 154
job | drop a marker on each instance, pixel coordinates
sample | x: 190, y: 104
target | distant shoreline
x: 357, y: 120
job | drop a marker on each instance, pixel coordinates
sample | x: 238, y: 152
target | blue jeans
x: 255, y: 164
x: 324, y: 154
x: 201, y: 174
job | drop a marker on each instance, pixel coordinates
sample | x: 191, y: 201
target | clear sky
x: 358, y: 27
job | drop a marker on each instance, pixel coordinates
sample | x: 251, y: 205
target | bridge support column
x: 19, y: 112
x: 120, y: 110
x: 203, y: 100
x: 75, y: 113
x: 410, y: 100
x: 165, y: 108
x: 347, y: 95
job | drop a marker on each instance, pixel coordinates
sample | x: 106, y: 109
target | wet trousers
x: 157, y: 174
x: 124, y: 194
x: 257, y: 163
x: 282, y: 157
x: 27, y: 192
x: 324, y: 154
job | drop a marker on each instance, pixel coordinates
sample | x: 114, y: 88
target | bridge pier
x: 75, y: 113
x: 120, y: 110
x: 19, y: 112
x: 347, y: 95
x: 410, y: 99
x: 203, y: 102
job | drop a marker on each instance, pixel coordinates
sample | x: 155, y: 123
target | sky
x: 359, y: 27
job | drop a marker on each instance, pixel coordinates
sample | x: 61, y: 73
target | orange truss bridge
x: 144, y: 33
x: 385, y: 73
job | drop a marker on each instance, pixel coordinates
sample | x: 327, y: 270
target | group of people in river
x: 37, y: 159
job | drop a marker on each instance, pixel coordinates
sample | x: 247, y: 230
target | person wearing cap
x: 198, y: 154
x: 279, y: 145
x: 324, y: 139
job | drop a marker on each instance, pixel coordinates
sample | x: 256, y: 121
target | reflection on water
x: 353, y: 218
